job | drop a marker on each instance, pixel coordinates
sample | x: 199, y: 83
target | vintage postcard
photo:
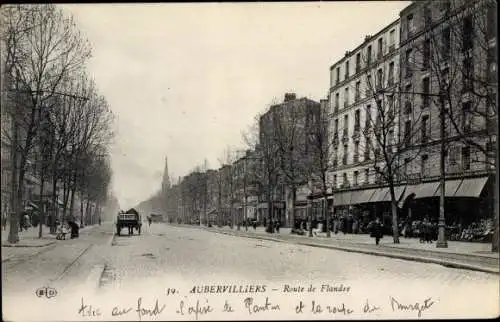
x: 249, y: 161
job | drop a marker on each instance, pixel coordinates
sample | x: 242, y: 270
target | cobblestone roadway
x: 166, y: 256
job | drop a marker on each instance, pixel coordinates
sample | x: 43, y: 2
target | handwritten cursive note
x: 419, y: 307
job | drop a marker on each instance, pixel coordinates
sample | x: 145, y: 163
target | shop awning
x: 362, y: 196
x: 398, y: 193
x: 379, y: 195
x: 342, y: 198
x: 425, y: 190
x: 471, y: 187
x: 450, y: 188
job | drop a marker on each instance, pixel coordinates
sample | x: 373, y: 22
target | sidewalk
x: 465, y: 255
x: 29, y: 238
x: 29, y: 244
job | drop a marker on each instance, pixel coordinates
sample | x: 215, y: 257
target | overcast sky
x: 185, y: 79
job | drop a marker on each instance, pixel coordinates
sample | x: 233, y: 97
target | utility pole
x: 441, y: 242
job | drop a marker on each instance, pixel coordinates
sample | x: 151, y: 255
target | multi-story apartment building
x: 286, y: 125
x: 448, y: 64
x: 362, y: 86
x: 246, y: 186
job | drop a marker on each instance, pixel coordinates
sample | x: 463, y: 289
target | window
x: 346, y: 69
x: 369, y: 85
x: 466, y: 158
x: 337, y: 102
x: 425, y: 128
x: 358, y: 63
x: 380, y: 78
x: 466, y: 117
x: 390, y: 137
x: 453, y: 156
x: 356, y: 175
x: 407, y: 136
x: 357, y: 95
x: 426, y: 53
x: 338, y: 75
x: 368, y: 149
x: 344, y: 157
x: 380, y: 48
x: 391, y: 73
x: 334, y: 181
x: 335, y: 156
x: 336, y: 127
x: 425, y: 166
x: 467, y: 33
x: 368, y: 116
x: 356, y: 120
x: 467, y: 74
x: 367, y: 176
x: 491, y: 20
x: 445, y: 6
x: 392, y: 39
x: 446, y: 43
x: 410, y: 24
x: 368, y: 55
x: 346, y: 124
x: 406, y: 166
x: 345, y: 182
x: 356, y: 152
x: 408, y: 62
x: 346, y: 97
x: 426, y: 87
x: 492, y: 65
x: 427, y: 16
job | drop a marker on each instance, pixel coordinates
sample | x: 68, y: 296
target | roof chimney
x: 290, y: 97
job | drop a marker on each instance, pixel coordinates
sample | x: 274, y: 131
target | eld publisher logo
x: 48, y: 292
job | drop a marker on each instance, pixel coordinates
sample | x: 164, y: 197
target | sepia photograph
x: 249, y: 161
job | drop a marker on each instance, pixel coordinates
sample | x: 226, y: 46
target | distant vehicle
x: 130, y: 219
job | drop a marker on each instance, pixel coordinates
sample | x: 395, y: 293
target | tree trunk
x: 496, y: 221
x: 65, y: 199
x: 87, y: 212
x: 394, y: 209
x: 55, y: 203
x: 72, y: 204
x: 41, y: 211
x: 81, y: 211
x: 291, y: 215
x: 326, y: 214
x: 15, y: 209
x: 270, y: 204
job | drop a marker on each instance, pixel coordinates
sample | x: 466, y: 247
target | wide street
x: 107, y: 271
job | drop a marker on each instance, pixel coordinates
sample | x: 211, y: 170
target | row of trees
x: 60, y: 126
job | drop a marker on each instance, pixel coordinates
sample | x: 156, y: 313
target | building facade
x: 362, y: 87
x: 449, y: 65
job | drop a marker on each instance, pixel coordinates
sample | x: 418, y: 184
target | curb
x: 428, y: 260
x: 31, y: 246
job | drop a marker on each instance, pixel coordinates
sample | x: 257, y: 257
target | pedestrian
x: 376, y: 230
x: 150, y: 220
x: 4, y: 222
x: 277, y: 226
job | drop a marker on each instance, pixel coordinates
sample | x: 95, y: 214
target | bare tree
x: 320, y: 148
x: 389, y: 112
x: 43, y: 47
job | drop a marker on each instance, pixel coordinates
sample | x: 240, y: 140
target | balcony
x: 380, y: 54
x: 392, y: 48
x: 344, y: 160
x: 357, y: 96
x: 356, y: 158
x: 346, y: 104
x: 358, y: 68
x: 336, y: 109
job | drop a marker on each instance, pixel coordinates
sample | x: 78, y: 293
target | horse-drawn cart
x: 130, y: 219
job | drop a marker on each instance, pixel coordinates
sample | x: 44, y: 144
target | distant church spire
x: 165, y: 184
